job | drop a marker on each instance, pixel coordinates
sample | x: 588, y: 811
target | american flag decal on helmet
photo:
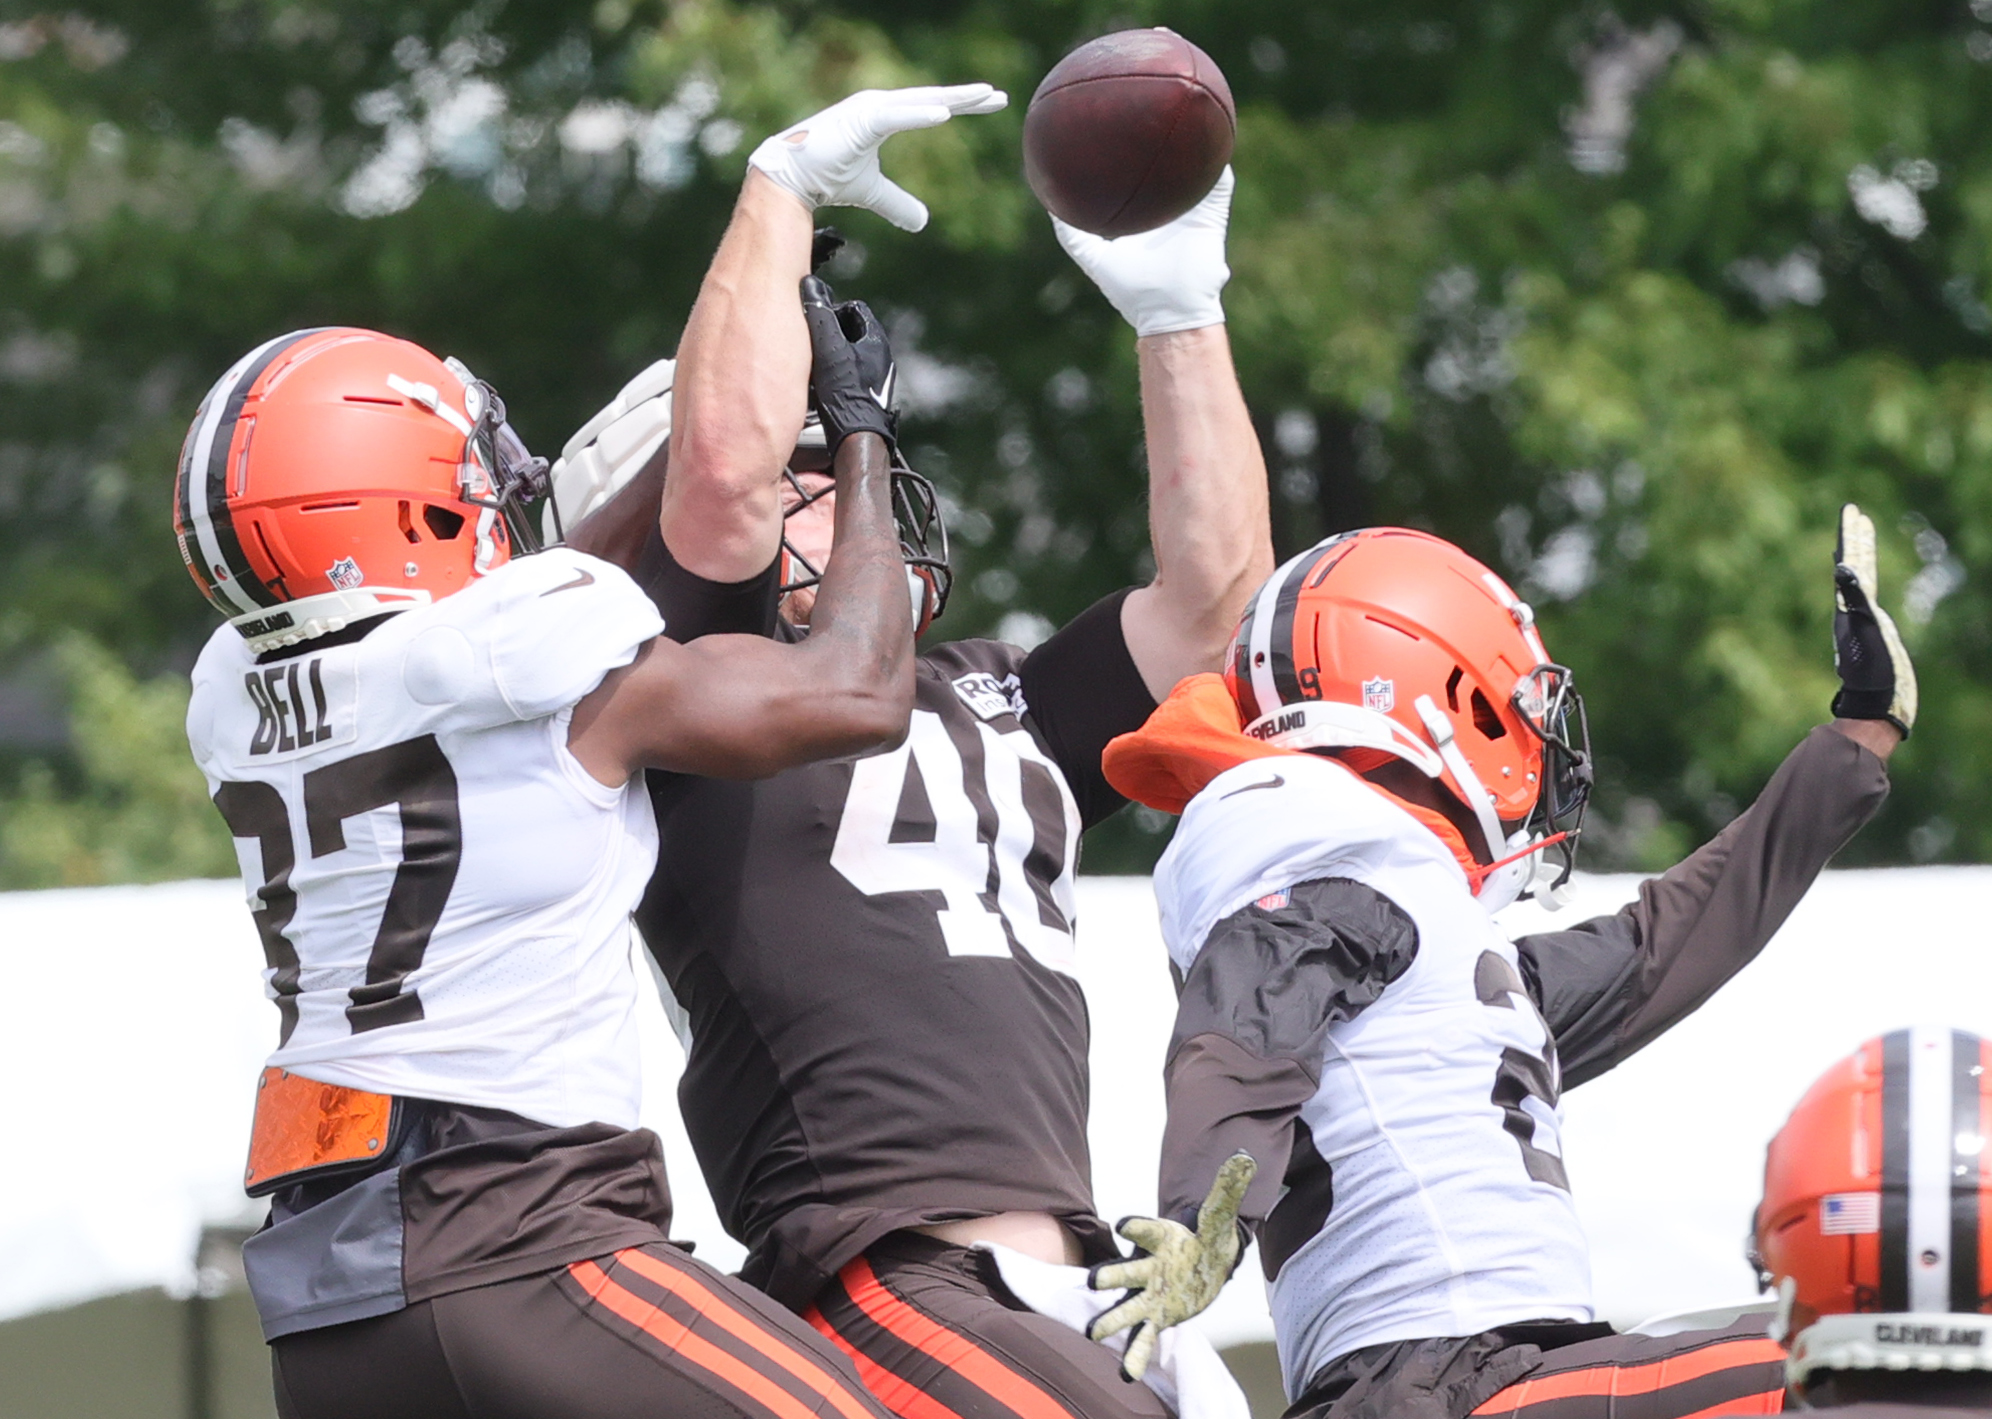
x: 1846, y: 1214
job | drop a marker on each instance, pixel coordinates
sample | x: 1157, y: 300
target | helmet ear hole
x: 1485, y: 719
x: 443, y: 524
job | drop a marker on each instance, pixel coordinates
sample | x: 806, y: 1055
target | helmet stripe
x: 1281, y: 662
x: 1930, y: 1069
x: 1967, y: 1143
x: 1895, y: 1066
x: 197, y: 491
x: 198, y: 530
x: 206, y: 460
x: 183, y: 513
x: 1919, y: 1102
x: 1261, y: 648
x: 1929, y: 1168
x: 1241, y: 664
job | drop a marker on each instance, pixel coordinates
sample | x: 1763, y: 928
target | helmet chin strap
x: 1509, y: 868
x: 1464, y: 778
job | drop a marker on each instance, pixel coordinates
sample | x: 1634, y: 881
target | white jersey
x: 1436, y: 1110
x: 442, y: 890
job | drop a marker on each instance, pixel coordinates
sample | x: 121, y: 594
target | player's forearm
x: 1252, y: 1022
x: 860, y: 646
x: 1611, y: 986
x: 741, y: 390
x: 1208, y: 518
x: 1224, y: 1098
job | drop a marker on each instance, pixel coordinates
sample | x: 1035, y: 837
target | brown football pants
x: 934, y: 1335
x: 1684, y: 1376
x: 645, y: 1333
x: 1524, y: 1373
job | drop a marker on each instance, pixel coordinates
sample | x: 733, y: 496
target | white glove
x: 1167, y: 279
x: 831, y: 158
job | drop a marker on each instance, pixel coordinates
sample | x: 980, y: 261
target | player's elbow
x: 1202, y: 621
x: 871, y: 714
x: 1201, y: 598
x: 827, y: 719
x: 722, y: 466
x: 729, y: 443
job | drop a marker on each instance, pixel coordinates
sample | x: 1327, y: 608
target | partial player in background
x: 429, y: 750
x: 874, y: 956
x: 1875, y: 1232
x: 1389, y: 753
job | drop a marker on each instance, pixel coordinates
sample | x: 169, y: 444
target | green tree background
x: 1627, y: 300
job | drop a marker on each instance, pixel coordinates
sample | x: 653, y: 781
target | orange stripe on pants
x: 952, y: 1349
x: 1618, y: 1381
x: 901, y: 1396
x: 678, y: 1338
x: 710, y: 1303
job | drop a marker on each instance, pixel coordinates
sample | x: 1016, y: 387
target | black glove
x: 851, y: 379
x: 1876, y: 679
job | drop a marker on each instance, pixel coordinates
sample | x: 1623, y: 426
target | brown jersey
x: 872, y: 956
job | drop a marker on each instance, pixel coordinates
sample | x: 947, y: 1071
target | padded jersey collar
x: 1194, y: 735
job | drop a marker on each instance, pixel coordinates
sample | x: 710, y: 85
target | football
x: 1128, y: 131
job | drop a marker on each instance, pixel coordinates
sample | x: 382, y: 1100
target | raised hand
x: 1876, y: 679
x: 830, y: 159
x: 1165, y: 280
x: 851, y: 366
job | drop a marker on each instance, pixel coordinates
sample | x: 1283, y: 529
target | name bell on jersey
x: 388, y: 707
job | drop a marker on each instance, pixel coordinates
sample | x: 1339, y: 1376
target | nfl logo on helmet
x: 1380, y: 695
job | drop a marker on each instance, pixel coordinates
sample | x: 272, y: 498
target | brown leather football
x: 1128, y: 131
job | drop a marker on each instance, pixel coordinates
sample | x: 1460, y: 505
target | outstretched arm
x: 747, y: 707
x: 1610, y: 986
x: 1208, y: 520
x: 741, y: 391
x: 744, y: 359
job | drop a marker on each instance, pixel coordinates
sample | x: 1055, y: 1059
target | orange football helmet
x: 1873, y: 1229
x: 335, y: 474
x: 1398, y: 642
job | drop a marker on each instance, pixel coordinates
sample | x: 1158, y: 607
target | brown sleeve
x: 1083, y: 689
x: 1255, y: 1007
x: 1608, y: 987
x: 1223, y: 1099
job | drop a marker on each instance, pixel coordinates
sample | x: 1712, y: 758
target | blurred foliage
x: 1625, y: 300
x: 137, y: 810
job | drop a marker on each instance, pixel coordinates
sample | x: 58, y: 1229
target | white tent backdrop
x: 132, y: 1025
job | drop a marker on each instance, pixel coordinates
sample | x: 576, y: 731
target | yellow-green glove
x: 1182, y: 1272
x: 1876, y: 679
